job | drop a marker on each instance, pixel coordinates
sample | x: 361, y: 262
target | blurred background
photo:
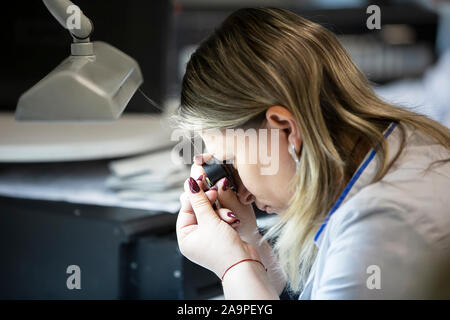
x: 104, y: 196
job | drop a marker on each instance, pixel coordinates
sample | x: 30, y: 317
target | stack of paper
x: 156, y: 177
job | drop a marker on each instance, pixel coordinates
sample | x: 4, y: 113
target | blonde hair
x: 261, y: 57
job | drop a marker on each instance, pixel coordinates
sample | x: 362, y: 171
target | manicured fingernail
x: 200, y: 178
x: 193, y: 185
x: 214, y: 188
x: 232, y: 215
x: 225, y: 184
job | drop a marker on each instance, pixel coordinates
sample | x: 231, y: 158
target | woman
x: 361, y: 186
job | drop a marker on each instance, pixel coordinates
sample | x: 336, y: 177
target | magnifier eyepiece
x: 216, y: 171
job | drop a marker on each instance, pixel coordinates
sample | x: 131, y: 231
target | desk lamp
x: 95, y: 83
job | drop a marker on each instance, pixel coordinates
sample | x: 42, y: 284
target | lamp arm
x: 59, y: 9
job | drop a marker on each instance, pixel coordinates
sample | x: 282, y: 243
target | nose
x: 245, y: 196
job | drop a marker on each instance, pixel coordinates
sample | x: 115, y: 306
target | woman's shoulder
x: 399, y: 223
x: 411, y: 198
x: 422, y: 149
x: 410, y: 195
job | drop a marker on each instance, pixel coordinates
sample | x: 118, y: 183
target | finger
x: 200, y: 203
x: 182, y: 229
x: 201, y: 159
x: 228, y: 216
x: 228, y: 197
x: 186, y: 216
x: 235, y: 224
x: 212, y: 197
x: 186, y: 204
x: 197, y: 173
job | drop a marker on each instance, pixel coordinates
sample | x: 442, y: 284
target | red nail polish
x: 231, y: 214
x: 193, y: 185
x: 225, y: 184
x: 200, y: 178
x: 214, y: 188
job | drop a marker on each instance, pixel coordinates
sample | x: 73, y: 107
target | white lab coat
x: 383, y: 239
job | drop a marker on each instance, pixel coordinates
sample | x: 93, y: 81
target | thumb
x: 200, y: 203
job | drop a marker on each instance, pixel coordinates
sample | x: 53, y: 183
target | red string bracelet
x: 241, y: 262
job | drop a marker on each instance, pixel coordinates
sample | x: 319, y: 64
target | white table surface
x: 71, y: 141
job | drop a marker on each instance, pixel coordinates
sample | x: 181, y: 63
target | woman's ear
x: 281, y: 118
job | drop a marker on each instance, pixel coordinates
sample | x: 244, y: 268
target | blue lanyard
x: 350, y: 184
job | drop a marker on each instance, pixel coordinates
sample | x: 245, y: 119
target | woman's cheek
x: 254, y: 182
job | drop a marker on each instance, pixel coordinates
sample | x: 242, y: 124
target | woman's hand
x: 242, y: 217
x: 203, y: 237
